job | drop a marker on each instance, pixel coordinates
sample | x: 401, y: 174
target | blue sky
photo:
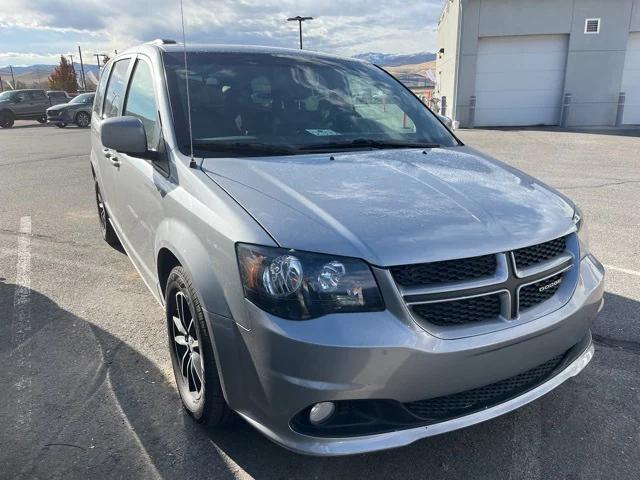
x: 38, y: 31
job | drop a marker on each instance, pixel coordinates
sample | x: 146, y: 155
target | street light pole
x: 299, y: 19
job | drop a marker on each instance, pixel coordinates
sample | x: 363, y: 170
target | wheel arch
x: 166, y: 261
x: 180, y: 248
x: 177, y: 244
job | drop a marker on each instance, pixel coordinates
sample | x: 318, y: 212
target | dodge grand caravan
x: 335, y: 265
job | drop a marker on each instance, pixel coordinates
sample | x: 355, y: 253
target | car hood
x: 61, y: 106
x: 394, y: 207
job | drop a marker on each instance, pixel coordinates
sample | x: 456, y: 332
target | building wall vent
x: 592, y: 25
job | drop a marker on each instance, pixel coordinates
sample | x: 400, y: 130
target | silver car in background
x: 343, y: 273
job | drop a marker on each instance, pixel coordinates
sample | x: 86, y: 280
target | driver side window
x: 141, y: 102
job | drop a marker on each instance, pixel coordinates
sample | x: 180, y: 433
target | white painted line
x: 623, y: 270
x: 22, y: 323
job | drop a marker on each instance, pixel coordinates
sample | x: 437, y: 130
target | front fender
x: 196, y: 258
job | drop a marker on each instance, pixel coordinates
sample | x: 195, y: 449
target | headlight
x: 582, y: 231
x: 301, y: 285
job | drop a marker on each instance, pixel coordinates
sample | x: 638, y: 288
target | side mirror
x: 446, y: 120
x: 125, y: 135
x: 17, y: 99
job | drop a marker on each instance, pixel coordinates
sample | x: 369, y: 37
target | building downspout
x: 454, y: 99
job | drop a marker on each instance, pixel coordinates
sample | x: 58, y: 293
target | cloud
x: 344, y: 27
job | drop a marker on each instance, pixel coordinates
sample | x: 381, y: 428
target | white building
x: 540, y: 62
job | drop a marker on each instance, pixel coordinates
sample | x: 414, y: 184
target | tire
x: 6, y: 120
x: 108, y: 233
x: 83, y: 119
x: 61, y: 125
x: 42, y: 119
x: 200, y: 392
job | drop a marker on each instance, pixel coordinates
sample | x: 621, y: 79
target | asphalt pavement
x: 86, y: 388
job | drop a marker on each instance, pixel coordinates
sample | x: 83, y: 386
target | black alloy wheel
x: 6, y: 120
x: 83, y: 119
x: 191, y: 350
x: 108, y: 233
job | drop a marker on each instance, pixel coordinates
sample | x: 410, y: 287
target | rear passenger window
x: 104, y: 76
x: 115, y: 89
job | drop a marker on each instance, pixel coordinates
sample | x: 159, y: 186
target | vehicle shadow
x: 19, y: 125
x: 77, y: 401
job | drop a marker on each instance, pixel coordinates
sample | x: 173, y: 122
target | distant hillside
x: 419, y: 68
x: 390, y: 60
x: 35, y: 76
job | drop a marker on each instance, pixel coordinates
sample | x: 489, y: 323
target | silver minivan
x: 336, y: 267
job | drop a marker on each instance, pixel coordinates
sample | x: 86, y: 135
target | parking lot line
x: 22, y: 321
x: 623, y: 270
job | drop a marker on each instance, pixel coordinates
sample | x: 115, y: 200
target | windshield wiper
x: 244, y: 148
x: 368, y: 142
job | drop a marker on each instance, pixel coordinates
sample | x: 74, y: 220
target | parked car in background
x: 346, y: 276
x: 29, y: 104
x: 58, y: 96
x: 77, y: 111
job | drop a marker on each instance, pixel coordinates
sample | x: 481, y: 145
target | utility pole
x: 299, y: 19
x: 1, y: 87
x: 13, y: 79
x: 84, y: 82
x: 97, y: 55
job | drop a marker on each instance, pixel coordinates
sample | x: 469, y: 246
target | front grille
x: 55, y: 113
x: 462, y: 403
x: 448, y: 271
x: 528, y: 256
x: 478, y: 302
x: 532, y: 295
x: 459, y: 312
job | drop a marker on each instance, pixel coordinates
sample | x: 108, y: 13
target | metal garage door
x: 631, y: 80
x: 519, y: 80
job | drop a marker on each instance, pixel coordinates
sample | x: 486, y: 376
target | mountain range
x: 392, y: 60
x: 36, y: 75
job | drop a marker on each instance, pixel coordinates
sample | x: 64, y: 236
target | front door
x: 142, y: 183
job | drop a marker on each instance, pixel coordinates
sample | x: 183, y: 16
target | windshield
x: 84, y: 98
x: 6, y: 95
x: 282, y: 103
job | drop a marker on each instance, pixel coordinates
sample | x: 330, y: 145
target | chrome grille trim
x: 563, y: 259
x: 506, y: 282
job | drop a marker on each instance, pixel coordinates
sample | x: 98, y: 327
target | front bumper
x: 278, y: 367
x: 61, y: 117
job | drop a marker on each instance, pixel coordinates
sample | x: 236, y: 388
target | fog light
x: 321, y: 412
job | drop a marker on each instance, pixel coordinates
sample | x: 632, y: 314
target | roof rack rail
x: 163, y: 41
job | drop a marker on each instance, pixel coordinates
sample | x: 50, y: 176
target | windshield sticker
x: 322, y: 132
